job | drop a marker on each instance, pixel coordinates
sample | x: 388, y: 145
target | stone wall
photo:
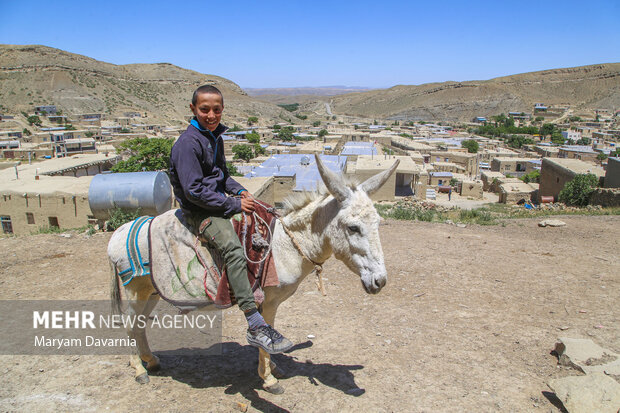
x: 606, y: 197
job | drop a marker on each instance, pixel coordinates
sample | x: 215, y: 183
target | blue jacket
x: 199, y: 176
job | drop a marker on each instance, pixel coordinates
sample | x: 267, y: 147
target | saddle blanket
x: 188, y: 274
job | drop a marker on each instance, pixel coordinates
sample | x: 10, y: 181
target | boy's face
x: 208, y: 110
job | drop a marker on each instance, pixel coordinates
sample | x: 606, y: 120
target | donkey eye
x: 354, y: 228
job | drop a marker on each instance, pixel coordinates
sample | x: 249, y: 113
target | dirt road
x: 466, y: 323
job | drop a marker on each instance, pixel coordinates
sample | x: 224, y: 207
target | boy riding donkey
x: 201, y: 182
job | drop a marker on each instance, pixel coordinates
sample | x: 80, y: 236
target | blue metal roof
x: 442, y: 174
x: 359, y: 148
x: 307, y: 176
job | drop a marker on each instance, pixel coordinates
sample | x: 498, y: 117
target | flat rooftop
x: 576, y: 166
x: 50, y: 184
x: 382, y: 162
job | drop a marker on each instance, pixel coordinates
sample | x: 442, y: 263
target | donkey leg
x: 267, y: 369
x: 151, y: 360
x: 141, y: 375
x: 139, y: 291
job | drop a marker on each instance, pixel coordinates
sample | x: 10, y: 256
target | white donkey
x: 314, y: 226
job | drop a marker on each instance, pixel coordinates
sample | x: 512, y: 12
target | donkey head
x: 354, y: 231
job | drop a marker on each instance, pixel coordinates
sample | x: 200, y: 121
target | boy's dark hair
x: 206, y: 89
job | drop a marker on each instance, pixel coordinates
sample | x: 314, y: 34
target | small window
x: 7, y: 226
x: 53, y: 222
x: 30, y: 218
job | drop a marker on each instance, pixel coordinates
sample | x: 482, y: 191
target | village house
x: 490, y: 180
x: 45, y: 110
x: 439, y: 178
x: 555, y: 173
x: 411, y: 145
x: 52, y: 193
x: 513, y: 192
x: 509, y: 165
x: 471, y: 189
x: 468, y: 161
x: 401, y: 183
x: 570, y: 134
x: 546, y: 150
x: 486, y: 155
x: 581, y: 152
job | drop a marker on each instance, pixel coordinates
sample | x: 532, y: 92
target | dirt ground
x: 466, y: 322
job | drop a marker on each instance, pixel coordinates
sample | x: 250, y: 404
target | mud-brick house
x: 52, y: 193
x: 555, y: 173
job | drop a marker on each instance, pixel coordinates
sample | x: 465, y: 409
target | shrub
x: 471, y: 145
x: 120, y: 216
x: 577, y: 192
x: 533, y: 176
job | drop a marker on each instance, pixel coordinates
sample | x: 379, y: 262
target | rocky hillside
x: 39, y: 75
x: 584, y: 88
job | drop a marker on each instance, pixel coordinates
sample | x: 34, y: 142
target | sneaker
x: 267, y: 338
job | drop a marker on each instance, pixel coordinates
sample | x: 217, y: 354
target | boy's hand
x: 247, y: 203
x: 246, y: 194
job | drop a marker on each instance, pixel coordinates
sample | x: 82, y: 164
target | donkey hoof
x: 274, y: 388
x: 143, y: 378
x: 153, y: 368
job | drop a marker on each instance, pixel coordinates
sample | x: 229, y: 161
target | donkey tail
x: 115, y: 291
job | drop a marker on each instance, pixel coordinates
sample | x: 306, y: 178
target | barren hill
x: 40, y: 75
x: 584, y: 88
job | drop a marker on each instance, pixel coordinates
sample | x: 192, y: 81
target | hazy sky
x: 320, y: 43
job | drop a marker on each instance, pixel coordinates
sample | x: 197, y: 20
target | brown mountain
x: 584, y: 88
x: 39, y: 75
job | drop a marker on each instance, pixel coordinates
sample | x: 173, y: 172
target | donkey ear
x: 334, y: 182
x: 372, y: 184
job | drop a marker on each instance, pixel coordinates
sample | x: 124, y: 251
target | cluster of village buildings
x: 45, y: 171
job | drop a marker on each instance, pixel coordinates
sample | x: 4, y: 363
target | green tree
x: 286, y: 134
x: 125, y: 130
x: 322, y: 133
x: 577, y: 192
x: 259, y: 150
x: 26, y: 132
x: 316, y: 123
x: 601, y: 156
x: 471, y: 145
x: 232, y: 169
x: 235, y: 128
x: 71, y: 127
x: 242, y: 152
x: 34, y: 120
x: 252, y: 120
x: 253, y: 137
x: 556, y: 137
x: 276, y: 127
x: 145, y: 155
x: 547, y: 129
x: 583, y: 141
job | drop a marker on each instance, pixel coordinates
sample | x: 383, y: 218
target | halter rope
x: 318, y: 268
